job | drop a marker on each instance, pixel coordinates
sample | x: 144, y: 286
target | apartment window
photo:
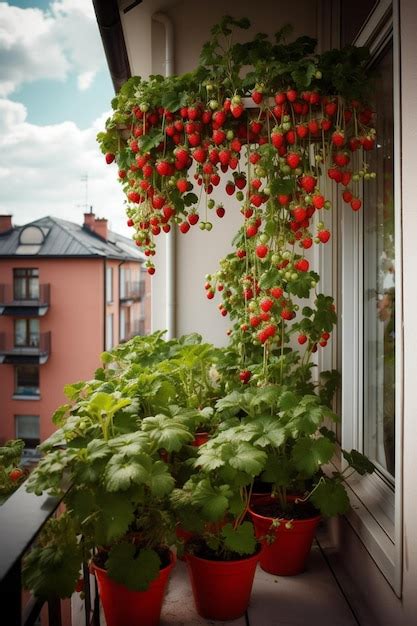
x: 26, y: 283
x: 28, y: 429
x: 26, y: 333
x: 109, y: 331
x: 109, y: 285
x: 122, y: 324
x: 27, y: 380
x: 122, y: 283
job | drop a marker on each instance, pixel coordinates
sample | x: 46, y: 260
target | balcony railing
x: 10, y: 304
x: 37, y: 350
x: 22, y: 517
x: 133, y: 291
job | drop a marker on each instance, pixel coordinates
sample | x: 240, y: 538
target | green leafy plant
x: 12, y: 474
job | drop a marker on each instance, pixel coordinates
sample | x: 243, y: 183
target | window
x: 27, y: 380
x: 379, y: 283
x: 372, y: 317
x: 122, y: 283
x: 26, y: 333
x: 122, y: 324
x: 26, y: 283
x: 109, y: 331
x: 109, y: 285
x: 27, y: 428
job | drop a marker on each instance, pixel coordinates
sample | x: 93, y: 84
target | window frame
x: 376, y: 513
x: 18, y: 436
x: 25, y: 278
x: 28, y: 333
x: 20, y: 394
x: 109, y: 285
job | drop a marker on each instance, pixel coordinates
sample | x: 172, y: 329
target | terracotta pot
x: 221, y: 589
x: 124, y: 607
x: 288, y: 554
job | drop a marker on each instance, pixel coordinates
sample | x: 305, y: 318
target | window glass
x: 27, y: 428
x: 109, y: 284
x: 26, y: 332
x: 26, y: 283
x: 379, y: 282
x: 109, y: 331
x: 27, y: 380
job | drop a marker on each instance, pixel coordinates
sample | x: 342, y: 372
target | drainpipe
x: 170, y: 261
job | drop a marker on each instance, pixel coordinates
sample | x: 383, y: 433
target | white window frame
x: 109, y: 285
x: 109, y: 331
x: 376, y: 513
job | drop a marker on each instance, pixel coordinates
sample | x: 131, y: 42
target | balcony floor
x: 312, y: 598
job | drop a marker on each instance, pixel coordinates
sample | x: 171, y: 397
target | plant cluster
x: 11, y: 473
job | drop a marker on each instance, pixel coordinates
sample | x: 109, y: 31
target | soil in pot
x: 124, y: 607
x: 288, y: 552
x: 221, y: 589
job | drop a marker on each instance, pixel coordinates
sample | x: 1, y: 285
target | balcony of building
x: 28, y: 303
x: 35, y: 350
x: 314, y: 597
x: 132, y: 291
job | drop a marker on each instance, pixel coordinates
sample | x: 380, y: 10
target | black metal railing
x: 8, y: 297
x: 22, y: 517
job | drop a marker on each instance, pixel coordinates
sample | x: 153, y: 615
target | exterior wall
x: 198, y: 252
x: 75, y: 319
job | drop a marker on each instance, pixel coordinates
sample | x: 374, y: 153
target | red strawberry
x: 325, y: 336
x: 220, y: 211
x: 230, y: 188
x: 254, y: 320
x: 291, y: 95
x: 210, y: 295
x: 215, y: 179
x: 236, y: 110
x: 323, y: 235
x: 302, y: 265
x: 318, y: 201
x: 341, y: 159
x: 261, y: 250
x: 166, y: 228
x: 308, y: 183
x: 283, y: 199
x: 256, y: 199
x: 168, y: 212
x: 313, y: 127
x: 244, y: 376
x: 224, y: 157
x: 251, y: 230
x: 151, y: 270
x: 330, y: 108
x: 287, y: 314
x: 280, y: 97
x: 301, y: 339
x: 182, y: 185
x: 199, y: 155
x: 130, y: 222
x: 346, y: 178
x: 276, y: 292
x: 293, y: 160
x: 163, y: 168
x: 347, y: 196
x: 265, y: 316
x: 133, y: 196
x: 307, y: 242
x: 338, y: 138
x: 109, y: 158
x: 193, y: 218
x: 355, y: 204
x: 277, y: 139
x: 302, y: 131
x: 299, y: 214
x: 335, y: 174
x: 236, y: 145
x: 194, y: 139
x: 241, y: 254
x: 254, y: 157
x: 266, y: 304
x: 219, y: 136
x: 158, y: 201
x: 240, y: 181
x: 184, y: 227
x: 256, y: 127
x: 219, y: 118
x: 257, y: 97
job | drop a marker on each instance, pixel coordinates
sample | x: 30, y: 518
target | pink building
x: 67, y: 293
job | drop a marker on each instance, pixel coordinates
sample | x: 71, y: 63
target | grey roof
x: 66, y: 239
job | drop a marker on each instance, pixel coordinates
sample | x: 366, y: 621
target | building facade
x: 369, y: 270
x: 67, y: 293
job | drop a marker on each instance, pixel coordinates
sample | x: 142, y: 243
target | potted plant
x: 222, y: 552
x: 12, y: 474
x: 289, y: 429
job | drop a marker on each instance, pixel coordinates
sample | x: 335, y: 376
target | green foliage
x: 11, y: 475
x: 132, y: 567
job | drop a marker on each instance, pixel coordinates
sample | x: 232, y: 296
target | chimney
x: 100, y: 228
x: 5, y: 223
x: 89, y: 220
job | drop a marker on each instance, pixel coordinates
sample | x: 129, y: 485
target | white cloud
x: 36, y: 44
x: 45, y: 164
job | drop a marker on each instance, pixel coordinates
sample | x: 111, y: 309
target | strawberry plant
x: 11, y: 474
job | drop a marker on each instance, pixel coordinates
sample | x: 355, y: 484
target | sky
x: 55, y: 94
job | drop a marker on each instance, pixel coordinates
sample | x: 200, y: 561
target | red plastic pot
x: 124, y: 607
x: 288, y: 554
x: 221, y: 589
x: 200, y: 439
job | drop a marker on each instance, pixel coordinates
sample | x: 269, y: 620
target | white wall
x: 198, y: 251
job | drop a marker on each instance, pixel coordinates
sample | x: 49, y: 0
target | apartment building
x: 67, y: 293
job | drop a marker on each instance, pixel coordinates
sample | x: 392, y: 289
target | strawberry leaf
x: 241, y: 539
x: 310, y: 454
x: 330, y: 498
x: 132, y: 568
